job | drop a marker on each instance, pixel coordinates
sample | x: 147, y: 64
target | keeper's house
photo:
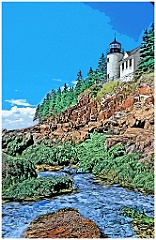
x: 121, y: 65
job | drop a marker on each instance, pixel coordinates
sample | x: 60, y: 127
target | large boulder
x: 66, y: 223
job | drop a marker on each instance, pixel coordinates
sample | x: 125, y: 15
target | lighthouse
x: 114, y: 55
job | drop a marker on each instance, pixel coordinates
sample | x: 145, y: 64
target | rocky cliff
x: 126, y: 114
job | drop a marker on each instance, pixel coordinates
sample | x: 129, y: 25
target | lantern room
x: 115, y: 47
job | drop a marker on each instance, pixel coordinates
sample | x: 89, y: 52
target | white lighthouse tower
x: 114, y: 55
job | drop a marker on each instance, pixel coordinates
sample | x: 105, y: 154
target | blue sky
x: 45, y: 44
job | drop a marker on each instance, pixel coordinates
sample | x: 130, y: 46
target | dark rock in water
x: 66, y: 223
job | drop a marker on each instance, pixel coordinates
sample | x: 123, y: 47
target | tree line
x: 58, y: 100
x: 147, y: 52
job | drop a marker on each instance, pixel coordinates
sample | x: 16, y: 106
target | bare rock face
x: 126, y: 114
x: 57, y: 225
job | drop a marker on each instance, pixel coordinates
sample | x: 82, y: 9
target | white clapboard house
x: 121, y: 65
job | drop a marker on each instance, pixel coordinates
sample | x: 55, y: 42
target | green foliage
x: 41, y: 154
x: 52, y: 155
x: 142, y: 224
x: 88, y: 152
x: 93, y: 90
x: 21, y: 180
x: 102, y: 69
x: 147, y: 52
x: 114, y: 165
x: 149, y: 164
x: 39, y: 187
x: 108, y: 88
x: 66, y: 154
x: 15, y: 145
x: 19, y: 169
x: 144, y: 180
x: 137, y: 215
x: 57, y: 101
x: 116, y: 151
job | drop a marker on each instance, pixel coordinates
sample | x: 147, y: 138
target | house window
x: 122, y: 66
x: 130, y: 62
x: 126, y: 64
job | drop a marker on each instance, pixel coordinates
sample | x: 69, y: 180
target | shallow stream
x: 102, y: 204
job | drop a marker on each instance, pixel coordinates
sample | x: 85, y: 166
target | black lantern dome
x: 115, y: 47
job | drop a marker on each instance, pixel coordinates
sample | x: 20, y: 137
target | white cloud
x: 74, y: 82
x: 17, y: 118
x: 57, y: 79
x: 19, y: 102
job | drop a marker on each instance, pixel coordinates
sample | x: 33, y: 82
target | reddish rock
x: 127, y: 103
x: 43, y: 128
x: 94, y: 111
x: 136, y: 124
x: 130, y: 120
x: 66, y: 223
x: 101, y: 116
x: 146, y: 90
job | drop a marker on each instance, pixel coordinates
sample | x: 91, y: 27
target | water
x: 102, y: 204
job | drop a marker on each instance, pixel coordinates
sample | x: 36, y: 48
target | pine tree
x: 65, y: 88
x: 37, y: 114
x: 101, y: 69
x: 58, y: 104
x: 52, y: 102
x: 91, y: 77
x: 147, y: 52
x: 79, y: 83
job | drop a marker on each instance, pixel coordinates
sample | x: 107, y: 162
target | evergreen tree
x: 58, y: 104
x: 72, y: 96
x: 80, y: 77
x: 65, y: 88
x: 64, y: 98
x: 37, y: 113
x: 90, y: 77
x: 147, y: 52
x: 102, y: 68
x: 52, y: 102
x: 79, y: 83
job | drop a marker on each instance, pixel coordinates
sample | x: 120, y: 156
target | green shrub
x: 126, y: 169
x: 15, y: 145
x: 108, y: 88
x: 52, y: 155
x: 91, y: 152
x: 137, y: 215
x: 39, y: 187
x: 18, y: 170
x: 116, y: 151
x: 41, y: 154
x: 144, y: 180
x: 66, y: 154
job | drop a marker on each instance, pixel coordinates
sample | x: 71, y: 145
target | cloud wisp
x: 19, y: 102
x: 57, y: 80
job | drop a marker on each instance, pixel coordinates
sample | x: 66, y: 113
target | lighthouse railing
x: 109, y: 50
